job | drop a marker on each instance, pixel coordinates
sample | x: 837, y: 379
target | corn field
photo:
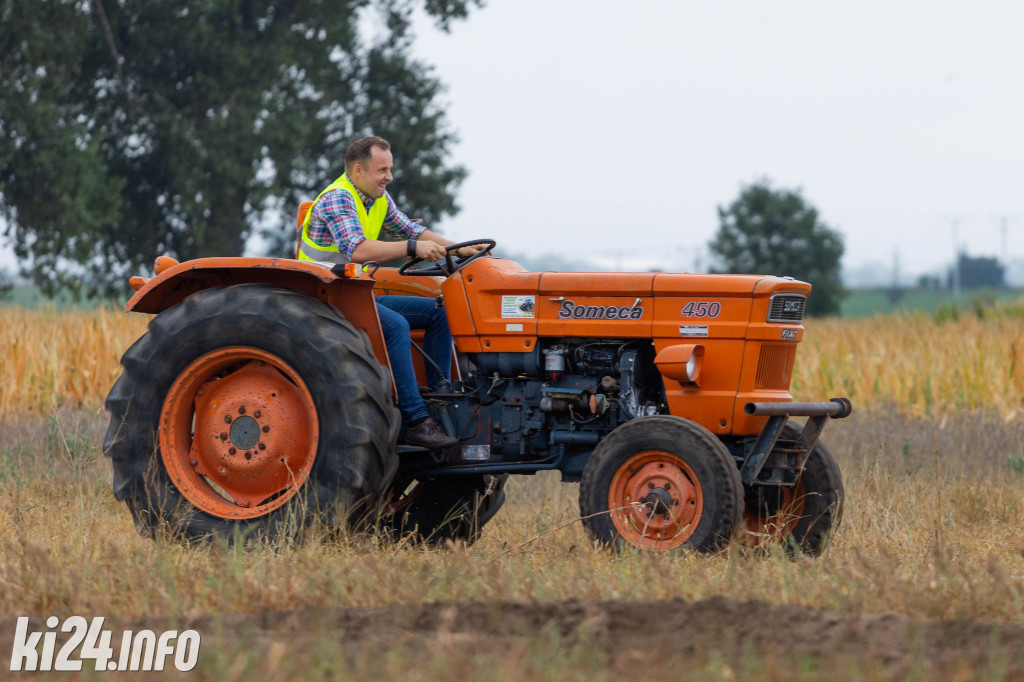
x: 927, y: 365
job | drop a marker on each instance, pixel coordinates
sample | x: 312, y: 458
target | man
x: 343, y: 226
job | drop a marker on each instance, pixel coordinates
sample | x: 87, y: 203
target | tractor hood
x: 496, y: 305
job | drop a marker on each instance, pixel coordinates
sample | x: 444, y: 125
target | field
x: 880, y: 301
x: 925, y: 579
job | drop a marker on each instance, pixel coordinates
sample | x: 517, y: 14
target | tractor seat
x: 303, y: 210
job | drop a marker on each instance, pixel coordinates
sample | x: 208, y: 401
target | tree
x: 776, y: 232
x: 135, y: 128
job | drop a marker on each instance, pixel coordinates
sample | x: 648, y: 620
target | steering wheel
x: 448, y: 266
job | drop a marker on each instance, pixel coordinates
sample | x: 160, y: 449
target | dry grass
x: 933, y: 462
x: 934, y: 527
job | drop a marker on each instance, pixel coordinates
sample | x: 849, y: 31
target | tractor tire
x: 248, y: 411
x: 661, y: 483
x: 449, y: 508
x: 803, y: 518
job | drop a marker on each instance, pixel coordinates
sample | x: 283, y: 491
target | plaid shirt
x: 335, y: 221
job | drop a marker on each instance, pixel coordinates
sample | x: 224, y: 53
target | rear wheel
x: 250, y: 410
x: 454, y: 508
x: 803, y: 517
x: 661, y: 483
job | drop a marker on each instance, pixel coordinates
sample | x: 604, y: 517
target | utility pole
x: 896, y: 268
x: 1004, y: 236
x: 955, y: 222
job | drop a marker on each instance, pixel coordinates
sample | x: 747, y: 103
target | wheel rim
x: 656, y: 500
x: 772, y: 513
x: 238, y: 432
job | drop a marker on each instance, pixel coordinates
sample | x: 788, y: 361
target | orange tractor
x: 261, y: 398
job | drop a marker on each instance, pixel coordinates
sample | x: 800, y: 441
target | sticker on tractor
x: 789, y: 333
x: 701, y: 309
x: 513, y: 327
x: 518, y: 306
x: 693, y: 330
x: 570, y: 310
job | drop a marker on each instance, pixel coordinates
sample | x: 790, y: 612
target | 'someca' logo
x: 571, y: 310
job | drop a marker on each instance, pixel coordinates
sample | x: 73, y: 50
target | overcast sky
x: 613, y: 130
x: 616, y: 128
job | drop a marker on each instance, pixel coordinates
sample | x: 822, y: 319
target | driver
x: 343, y: 226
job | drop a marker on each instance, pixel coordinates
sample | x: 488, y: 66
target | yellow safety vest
x: 371, y: 222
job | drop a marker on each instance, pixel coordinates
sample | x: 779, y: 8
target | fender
x: 348, y: 289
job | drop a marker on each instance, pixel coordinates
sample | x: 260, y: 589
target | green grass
x: 33, y: 297
x: 871, y: 302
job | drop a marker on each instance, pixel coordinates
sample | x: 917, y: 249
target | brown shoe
x: 428, y: 434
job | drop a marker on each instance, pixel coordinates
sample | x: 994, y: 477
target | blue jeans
x: 399, y: 314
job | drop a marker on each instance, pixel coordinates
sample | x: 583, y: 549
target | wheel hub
x: 658, y: 501
x: 245, y: 433
x: 771, y: 512
x: 655, y: 500
x: 238, y: 435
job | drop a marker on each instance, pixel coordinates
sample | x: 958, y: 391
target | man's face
x: 373, y: 175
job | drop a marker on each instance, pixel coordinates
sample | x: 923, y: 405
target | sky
x: 614, y: 130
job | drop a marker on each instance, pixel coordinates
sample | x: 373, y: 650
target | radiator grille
x: 786, y: 308
x: 775, y: 367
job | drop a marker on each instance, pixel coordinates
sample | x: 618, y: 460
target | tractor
x: 260, y: 399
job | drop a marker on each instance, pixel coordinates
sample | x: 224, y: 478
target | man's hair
x: 360, y: 150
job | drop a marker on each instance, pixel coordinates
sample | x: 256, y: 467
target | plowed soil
x: 631, y: 635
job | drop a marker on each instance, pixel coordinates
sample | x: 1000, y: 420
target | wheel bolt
x: 266, y: 429
x: 262, y: 446
x: 227, y: 419
x: 241, y: 409
x: 248, y: 455
x: 668, y: 486
x: 232, y: 451
x: 194, y: 461
x: 223, y: 435
x: 675, y: 501
x: 650, y: 486
x: 257, y: 414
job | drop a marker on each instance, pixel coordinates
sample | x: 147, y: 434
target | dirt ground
x: 631, y: 636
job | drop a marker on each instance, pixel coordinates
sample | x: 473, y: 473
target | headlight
x: 682, y: 362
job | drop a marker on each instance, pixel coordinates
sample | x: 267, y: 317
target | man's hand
x: 467, y: 251
x: 428, y: 250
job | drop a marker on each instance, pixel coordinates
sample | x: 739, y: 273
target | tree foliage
x: 776, y: 232
x: 134, y: 128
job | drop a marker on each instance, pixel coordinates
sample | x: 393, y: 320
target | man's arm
x: 372, y: 249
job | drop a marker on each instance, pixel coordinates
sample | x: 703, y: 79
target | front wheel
x: 802, y: 518
x: 249, y: 410
x: 661, y: 483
